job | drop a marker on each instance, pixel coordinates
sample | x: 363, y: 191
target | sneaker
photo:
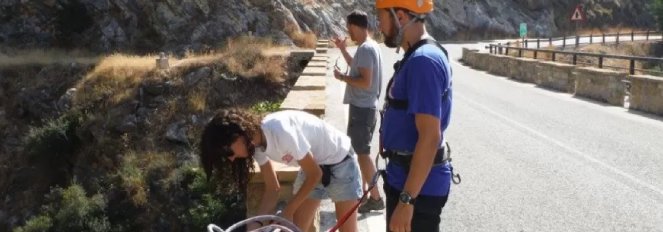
x: 371, y: 204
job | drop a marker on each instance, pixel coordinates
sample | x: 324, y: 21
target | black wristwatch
x: 405, y: 198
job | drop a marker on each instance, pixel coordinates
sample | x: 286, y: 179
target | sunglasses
x: 346, y: 72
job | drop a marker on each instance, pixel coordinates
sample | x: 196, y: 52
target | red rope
x: 354, y: 208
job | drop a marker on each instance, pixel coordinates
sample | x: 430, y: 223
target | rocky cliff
x: 149, y: 25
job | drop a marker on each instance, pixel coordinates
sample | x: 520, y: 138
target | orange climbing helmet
x: 416, y: 6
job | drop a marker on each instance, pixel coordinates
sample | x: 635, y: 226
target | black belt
x: 327, y: 171
x: 405, y: 158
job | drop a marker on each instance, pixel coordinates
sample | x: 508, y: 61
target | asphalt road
x: 533, y: 159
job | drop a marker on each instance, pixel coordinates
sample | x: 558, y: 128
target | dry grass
x: 625, y: 49
x: 248, y: 57
x: 301, y: 39
x: 115, y: 78
x: 599, y: 31
x: 45, y: 57
x: 197, y: 102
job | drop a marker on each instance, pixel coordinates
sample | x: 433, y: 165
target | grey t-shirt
x: 367, y: 56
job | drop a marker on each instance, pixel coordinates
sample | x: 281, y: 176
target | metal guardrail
x: 647, y: 34
x: 499, y: 48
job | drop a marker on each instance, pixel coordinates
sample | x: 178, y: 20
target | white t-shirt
x: 292, y: 134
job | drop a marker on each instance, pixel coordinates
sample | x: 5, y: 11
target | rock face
x: 176, y: 25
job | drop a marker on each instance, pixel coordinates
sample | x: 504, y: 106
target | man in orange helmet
x: 416, y: 114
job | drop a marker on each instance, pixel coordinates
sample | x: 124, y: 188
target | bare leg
x: 367, y: 171
x: 342, y: 208
x: 305, y: 213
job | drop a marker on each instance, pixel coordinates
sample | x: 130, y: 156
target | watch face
x: 405, y: 198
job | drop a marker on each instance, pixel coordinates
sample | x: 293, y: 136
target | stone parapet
x: 311, y: 101
x: 601, y: 85
x: 314, y: 71
x: 556, y: 76
x: 469, y: 56
x: 646, y: 94
x: 524, y: 69
x: 310, y: 83
x: 499, y: 64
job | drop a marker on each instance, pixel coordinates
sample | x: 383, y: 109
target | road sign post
x: 577, y: 16
x: 523, y: 32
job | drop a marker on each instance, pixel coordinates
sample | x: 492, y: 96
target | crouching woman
x: 329, y: 167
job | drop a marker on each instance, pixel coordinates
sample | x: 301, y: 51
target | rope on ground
x: 283, y: 225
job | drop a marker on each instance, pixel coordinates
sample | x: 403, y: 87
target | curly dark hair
x: 227, y: 126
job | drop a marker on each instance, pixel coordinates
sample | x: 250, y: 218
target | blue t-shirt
x: 422, y: 81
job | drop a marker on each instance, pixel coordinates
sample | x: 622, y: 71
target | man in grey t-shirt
x: 362, y: 91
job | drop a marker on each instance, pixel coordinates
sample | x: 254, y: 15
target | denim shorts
x: 345, y: 182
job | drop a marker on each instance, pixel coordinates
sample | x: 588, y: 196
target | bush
x: 266, y: 107
x: 56, y: 139
x: 70, y: 210
x: 212, y: 202
x: 37, y: 224
x: 657, y: 11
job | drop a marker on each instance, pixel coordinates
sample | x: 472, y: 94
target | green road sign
x: 523, y: 30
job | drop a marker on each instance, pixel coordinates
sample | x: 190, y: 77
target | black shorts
x: 361, y: 124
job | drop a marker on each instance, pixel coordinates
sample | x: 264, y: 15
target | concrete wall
x: 647, y: 94
x: 469, y: 56
x: 498, y: 64
x: 598, y: 84
x: 524, y: 69
x: 601, y: 85
x: 557, y: 76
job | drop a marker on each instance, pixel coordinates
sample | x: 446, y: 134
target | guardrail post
x: 591, y: 38
x: 647, y: 34
x: 500, y: 48
x: 538, y: 43
x: 491, y: 48
x: 553, y: 56
x: 632, y: 67
x: 577, y: 40
x: 520, y: 52
x: 564, y: 42
x: 527, y: 43
x: 575, y: 59
x: 550, y: 41
x: 617, y: 38
x: 535, y: 54
x: 603, y: 38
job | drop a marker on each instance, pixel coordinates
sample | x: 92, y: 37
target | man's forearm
x: 347, y: 57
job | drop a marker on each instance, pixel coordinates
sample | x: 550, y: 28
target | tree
x: 657, y: 11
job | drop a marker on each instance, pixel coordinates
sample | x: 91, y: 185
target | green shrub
x: 55, y: 139
x: 36, y: 224
x: 70, y: 210
x: 266, y: 107
x: 211, y: 202
x: 657, y: 11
